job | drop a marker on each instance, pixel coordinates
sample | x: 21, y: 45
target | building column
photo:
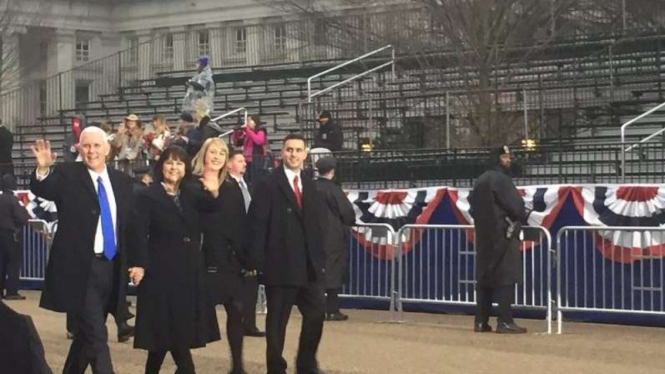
x: 60, y: 87
x: 145, y: 59
x: 254, y: 40
x: 179, y: 47
x: 216, y: 44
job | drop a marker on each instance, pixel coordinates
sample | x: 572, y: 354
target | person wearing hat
x: 12, y: 217
x: 339, y: 214
x: 498, y: 212
x: 131, y: 140
x: 200, y: 87
x: 330, y: 134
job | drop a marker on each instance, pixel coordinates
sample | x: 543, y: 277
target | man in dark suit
x: 6, y: 144
x: 285, y: 233
x: 237, y: 167
x: 12, y: 217
x: 88, y: 262
x: 21, y: 349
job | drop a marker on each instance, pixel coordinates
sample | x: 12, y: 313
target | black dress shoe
x: 482, y: 327
x: 339, y: 316
x: 509, y: 328
x: 255, y: 333
x: 237, y: 371
x: 125, y: 332
x: 14, y: 297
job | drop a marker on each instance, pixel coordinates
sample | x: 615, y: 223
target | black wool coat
x: 285, y: 240
x: 498, y: 260
x: 69, y: 185
x: 224, y: 242
x: 339, y: 216
x: 173, y: 308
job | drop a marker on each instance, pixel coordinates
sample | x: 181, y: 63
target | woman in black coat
x: 222, y: 243
x: 173, y: 311
x: 339, y: 215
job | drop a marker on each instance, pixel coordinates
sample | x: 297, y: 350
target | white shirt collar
x: 237, y: 178
x: 290, y: 174
x: 104, y: 174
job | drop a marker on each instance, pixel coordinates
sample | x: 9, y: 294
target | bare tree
x: 15, y: 18
x: 481, y: 45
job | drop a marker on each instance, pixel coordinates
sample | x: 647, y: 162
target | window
x: 241, y: 40
x: 280, y: 38
x: 320, y: 33
x: 133, y: 51
x: 204, y: 42
x: 82, y: 50
x: 82, y: 93
x: 167, y: 53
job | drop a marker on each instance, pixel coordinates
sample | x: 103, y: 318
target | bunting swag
x: 596, y: 205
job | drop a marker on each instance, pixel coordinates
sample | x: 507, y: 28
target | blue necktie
x: 107, y: 221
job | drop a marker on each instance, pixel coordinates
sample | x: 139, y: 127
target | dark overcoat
x: 494, y: 197
x: 339, y: 215
x: 173, y: 308
x: 223, y: 243
x: 69, y: 185
x: 285, y: 240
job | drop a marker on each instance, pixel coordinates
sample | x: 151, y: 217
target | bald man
x: 88, y: 262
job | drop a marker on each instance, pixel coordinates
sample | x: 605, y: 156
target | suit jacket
x: 12, y: 215
x: 285, y: 241
x: 6, y: 144
x: 20, y: 346
x: 69, y: 185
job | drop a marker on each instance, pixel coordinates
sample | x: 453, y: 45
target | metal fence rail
x: 437, y: 266
x: 36, y: 240
x: 372, y: 263
x: 610, y: 270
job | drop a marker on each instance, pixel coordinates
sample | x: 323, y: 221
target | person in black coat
x: 237, y: 167
x: 498, y: 211
x: 173, y: 308
x: 222, y: 243
x: 339, y: 216
x: 285, y: 233
x: 12, y: 218
x: 330, y: 134
x: 6, y: 144
x: 88, y: 262
x: 22, y: 349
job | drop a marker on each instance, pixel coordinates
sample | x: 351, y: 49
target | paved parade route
x: 428, y: 343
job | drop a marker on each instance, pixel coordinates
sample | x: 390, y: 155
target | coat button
x: 186, y: 239
x: 93, y: 212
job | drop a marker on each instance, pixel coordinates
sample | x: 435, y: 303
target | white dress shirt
x: 99, y: 238
x: 290, y: 174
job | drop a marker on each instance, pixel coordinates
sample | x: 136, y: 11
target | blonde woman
x: 222, y: 243
x: 159, y: 136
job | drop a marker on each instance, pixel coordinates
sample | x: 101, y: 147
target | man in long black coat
x: 330, y: 134
x: 339, y: 216
x: 285, y: 233
x: 237, y: 166
x: 498, y: 211
x: 88, y: 261
x: 6, y: 145
x: 21, y: 349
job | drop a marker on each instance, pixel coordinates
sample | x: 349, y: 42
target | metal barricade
x: 610, y: 270
x: 36, y: 240
x: 372, y: 263
x: 437, y: 265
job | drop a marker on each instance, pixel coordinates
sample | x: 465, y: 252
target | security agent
x: 498, y: 211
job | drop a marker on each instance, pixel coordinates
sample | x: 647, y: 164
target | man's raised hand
x: 43, y: 155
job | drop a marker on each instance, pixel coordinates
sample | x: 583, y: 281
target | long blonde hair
x: 198, y: 162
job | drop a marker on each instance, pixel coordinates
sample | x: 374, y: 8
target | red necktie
x: 296, y: 191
